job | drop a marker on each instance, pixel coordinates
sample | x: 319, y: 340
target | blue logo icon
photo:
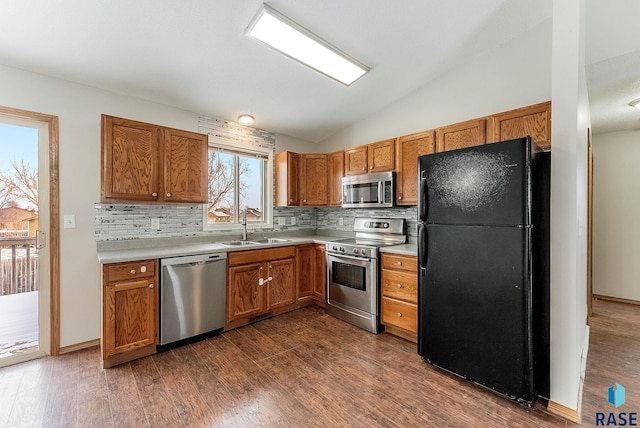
x: 616, y: 395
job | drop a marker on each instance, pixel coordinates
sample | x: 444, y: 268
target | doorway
x: 29, y: 240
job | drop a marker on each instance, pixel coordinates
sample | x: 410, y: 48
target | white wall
x: 568, y: 201
x: 79, y: 108
x: 287, y: 143
x: 616, y: 197
x: 510, y: 76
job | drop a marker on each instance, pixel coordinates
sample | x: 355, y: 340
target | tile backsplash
x: 133, y: 221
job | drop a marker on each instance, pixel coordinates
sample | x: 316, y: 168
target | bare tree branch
x: 6, y: 191
x: 23, y: 182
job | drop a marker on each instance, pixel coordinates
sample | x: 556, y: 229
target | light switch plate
x: 69, y: 221
x: 155, y: 223
x: 281, y: 221
x: 341, y: 221
x: 293, y: 221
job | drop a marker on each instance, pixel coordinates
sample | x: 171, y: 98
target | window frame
x: 267, y: 188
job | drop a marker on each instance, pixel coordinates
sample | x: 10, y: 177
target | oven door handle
x: 341, y: 256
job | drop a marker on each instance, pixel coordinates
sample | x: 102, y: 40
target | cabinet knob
x: 363, y: 168
x: 399, y: 314
x: 399, y: 263
x: 290, y: 201
x: 150, y: 285
x: 304, y: 200
x: 154, y: 194
x: 399, y: 285
x: 261, y: 268
x: 168, y: 195
x: 133, y: 272
x: 371, y: 167
x: 399, y: 198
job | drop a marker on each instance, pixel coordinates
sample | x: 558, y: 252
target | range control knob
x: 363, y: 252
x: 334, y: 248
x: 341, y: 249
x: 355, y: 251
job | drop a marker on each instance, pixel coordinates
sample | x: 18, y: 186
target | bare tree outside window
x: 19, y: 184
x: 222, y: 185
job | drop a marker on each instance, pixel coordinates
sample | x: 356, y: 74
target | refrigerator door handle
x: 422, y: 246
x: 422, y: 198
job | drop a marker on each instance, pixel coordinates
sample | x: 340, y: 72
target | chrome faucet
x: 244, y: 224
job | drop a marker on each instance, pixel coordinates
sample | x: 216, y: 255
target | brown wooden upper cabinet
x: 408, y: 148
x: 149, y: 163
x: 313, y: 179
x: 374, y: 157
x: 461, y: 135
x: 301, y: 179
x: 336, y: 172
x: 287, y: 179
x: 355, y: 161
x: 533, y: 120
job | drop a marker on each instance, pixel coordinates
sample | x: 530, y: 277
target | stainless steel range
x: 353, y: 293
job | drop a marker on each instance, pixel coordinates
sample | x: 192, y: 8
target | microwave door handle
x: 380, y: 192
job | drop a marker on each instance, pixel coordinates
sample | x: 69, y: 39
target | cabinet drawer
x: 400, y: 314
x: 397, y: 262
x: 400, y: 285
x: 130, y: 270
x: 252, y: 256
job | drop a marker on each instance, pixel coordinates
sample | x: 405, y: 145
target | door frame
x: 54, y: 217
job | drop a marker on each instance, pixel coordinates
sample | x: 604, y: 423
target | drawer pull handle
x: 399, y: 285
x: 150, y: 285
x: 133, y: 271
x: 399, y: 263
x: 400, y: 314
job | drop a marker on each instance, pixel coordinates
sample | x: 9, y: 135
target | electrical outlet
x: 341, y: 221
x: 293, y: 221
x: 155, y: 223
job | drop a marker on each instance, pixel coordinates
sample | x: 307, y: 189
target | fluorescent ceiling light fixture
x: 245, y: 119
x: 284, y: 35
x: 635, y: 103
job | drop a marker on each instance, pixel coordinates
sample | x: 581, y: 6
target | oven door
x: 353, y: 283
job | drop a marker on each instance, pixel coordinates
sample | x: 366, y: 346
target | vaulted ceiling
x: 194, y: 54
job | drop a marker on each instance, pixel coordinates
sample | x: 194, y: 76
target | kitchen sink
x: 239, y: 243
x: 254, y: 242
x: 271, y: 240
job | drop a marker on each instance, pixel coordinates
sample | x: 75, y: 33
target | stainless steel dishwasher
x: 192, y: 296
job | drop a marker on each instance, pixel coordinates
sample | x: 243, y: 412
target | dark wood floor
x: 301, y: 369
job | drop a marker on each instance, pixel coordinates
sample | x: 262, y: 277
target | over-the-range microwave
x: 368, y: 190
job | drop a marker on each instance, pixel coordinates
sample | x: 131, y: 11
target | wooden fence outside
x: 18, y: 265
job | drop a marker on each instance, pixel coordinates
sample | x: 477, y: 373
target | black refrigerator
x: 483, y: 253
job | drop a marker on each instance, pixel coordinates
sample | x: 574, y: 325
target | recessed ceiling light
x: 635, y: 103
x: 245, y: 119
x: 291, y: 39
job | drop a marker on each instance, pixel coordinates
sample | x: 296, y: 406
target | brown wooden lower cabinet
x: 259, y: 282
x: 129, y: 311
x: 399, y: 284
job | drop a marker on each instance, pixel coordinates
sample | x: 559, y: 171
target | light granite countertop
x: 404, y: 249
x: 131, y: 251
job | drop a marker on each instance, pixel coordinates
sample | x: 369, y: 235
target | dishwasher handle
x: 199, y: 259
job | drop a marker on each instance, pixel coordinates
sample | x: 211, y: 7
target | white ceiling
x: 193, y: 54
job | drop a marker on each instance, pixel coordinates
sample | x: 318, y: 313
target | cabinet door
x: 336, y: 172
x: 287, y: 179
x: 320, y: 283
x: 130, y: 155
x: 355, y: 161
x: 313, y: 179
x: 281, y: 289
x: 533, y: 120
x: 304, y: 270
x: 382, y: 156
x: 245, y: 295
x: 408, y: 148
x: 130, y: 315
x: 461, y: 135
x: 185, y: 166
